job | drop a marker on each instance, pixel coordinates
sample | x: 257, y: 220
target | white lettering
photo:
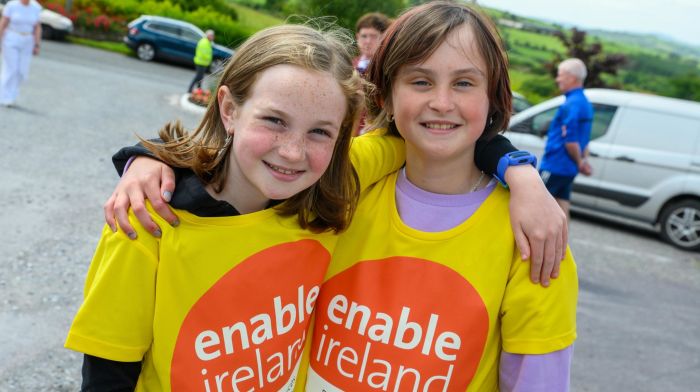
x: 446, y: 380
x: 381, y: 332
x: 383, y: 376
x: 204, y: 340
x: 365, y: 314
x: 402, y: 371
x: 280, y: 312
x: 429, y: 334
x: 228, y: 336
x: 278, y: 367
x: 235, y: 379
x: 405, y: 325
x: 342, y: 357
x: 340, y: 303
x: 311, y: 300
x: 447, y: 340
x: 262, y: 332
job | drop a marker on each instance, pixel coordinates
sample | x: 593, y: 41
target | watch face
x: 519, y: 154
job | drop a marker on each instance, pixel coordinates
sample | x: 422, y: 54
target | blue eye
x: 464, y: 83
x: 420, y: 83
x: 274, y: 120
x: 320, y: 131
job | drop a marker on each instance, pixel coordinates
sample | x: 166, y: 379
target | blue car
x: 154, y: 37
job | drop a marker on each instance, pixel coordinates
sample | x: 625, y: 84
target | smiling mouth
x: 282, y: 170
x: 440, y: 127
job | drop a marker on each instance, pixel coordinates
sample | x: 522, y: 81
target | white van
x: 645, y: 153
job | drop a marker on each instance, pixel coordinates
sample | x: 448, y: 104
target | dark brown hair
x: 373, y: 20
x: 331, y: 201
x: 415, y: 35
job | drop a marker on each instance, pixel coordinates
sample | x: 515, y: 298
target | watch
x: 513, y: 158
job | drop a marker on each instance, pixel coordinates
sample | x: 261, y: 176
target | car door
x: 167, y: 39
x: 189, y: 38
x: 651, y: 151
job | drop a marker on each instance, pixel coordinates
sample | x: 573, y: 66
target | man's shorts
x: 558, y: 186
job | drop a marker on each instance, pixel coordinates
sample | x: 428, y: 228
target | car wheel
x: 145, y: 51
x: 680, y: 224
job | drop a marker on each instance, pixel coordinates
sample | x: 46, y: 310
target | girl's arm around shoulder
x: 375, y: 155
x: 539, y: 225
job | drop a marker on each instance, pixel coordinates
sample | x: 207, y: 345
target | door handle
x: 624, y: 159
x: 593, y: 154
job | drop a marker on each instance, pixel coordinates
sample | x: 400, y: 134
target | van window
x: 657, y: 131
x: 539, y: 123
x: 602, y: 117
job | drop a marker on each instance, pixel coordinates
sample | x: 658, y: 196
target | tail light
x: 133, y: 31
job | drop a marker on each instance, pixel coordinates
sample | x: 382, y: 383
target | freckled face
x: 285, y: 132
x: 441, y: 104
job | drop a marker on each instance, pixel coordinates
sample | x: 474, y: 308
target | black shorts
x: 558, y: 186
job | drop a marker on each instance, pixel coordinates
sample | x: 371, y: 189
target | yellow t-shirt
x: 216, y: 303
x: 408, y: 310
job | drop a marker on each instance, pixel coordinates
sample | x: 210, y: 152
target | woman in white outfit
x: 20, y: 35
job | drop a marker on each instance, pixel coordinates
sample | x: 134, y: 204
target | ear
x: 228, y: 110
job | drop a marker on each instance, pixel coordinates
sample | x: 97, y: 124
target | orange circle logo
x: 248, y: 330
x: 397, y: 324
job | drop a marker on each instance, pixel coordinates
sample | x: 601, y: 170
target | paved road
x: 639, y: 310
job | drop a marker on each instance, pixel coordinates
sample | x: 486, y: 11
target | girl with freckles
x: 426, y: 289
x: 223, y: 301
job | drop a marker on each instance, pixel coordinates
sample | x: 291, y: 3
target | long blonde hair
x: 331, y: 201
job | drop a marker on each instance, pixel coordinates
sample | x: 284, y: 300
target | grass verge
x: 117, y: 47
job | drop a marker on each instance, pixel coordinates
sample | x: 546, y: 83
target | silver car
x: 645, y: 153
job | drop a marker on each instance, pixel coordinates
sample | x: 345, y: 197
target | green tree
x: 591, y: 54
x: 686, y: 87
x: 537, y: 88
x: 218, y: 5
x: 348, y: 12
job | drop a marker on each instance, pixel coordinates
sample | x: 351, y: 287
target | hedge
x: 107, y: 19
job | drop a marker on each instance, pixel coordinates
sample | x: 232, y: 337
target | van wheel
x: 680, y: 224
x: 145, y: 51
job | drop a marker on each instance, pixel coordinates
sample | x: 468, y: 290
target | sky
x: 678, y: 19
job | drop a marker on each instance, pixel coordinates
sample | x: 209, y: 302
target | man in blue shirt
x: 568, y: 135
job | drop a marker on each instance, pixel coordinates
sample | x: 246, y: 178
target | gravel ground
x: 77, y: 108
